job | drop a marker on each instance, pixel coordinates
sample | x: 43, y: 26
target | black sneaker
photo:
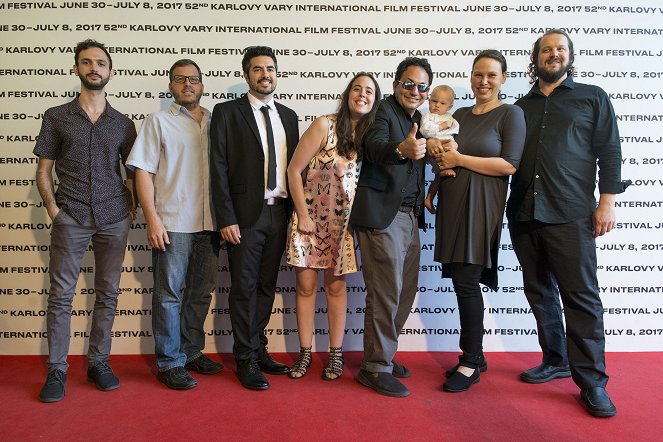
x: 103, y: 377
x: 203, y: 365
x: 177, y: 378
x: 53, y: 389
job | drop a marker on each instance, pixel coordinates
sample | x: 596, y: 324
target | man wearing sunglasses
x: 170, y: 158
x: 386, y: 214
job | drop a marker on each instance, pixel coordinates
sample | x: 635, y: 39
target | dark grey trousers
x: 69, y: 240
x: 390, y: 264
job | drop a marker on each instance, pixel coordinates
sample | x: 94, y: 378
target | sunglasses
x: 409, y: 85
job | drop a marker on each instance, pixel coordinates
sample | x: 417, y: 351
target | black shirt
x: 87, y: 161
x: 567, y: 133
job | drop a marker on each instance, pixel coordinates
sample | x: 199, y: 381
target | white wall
x: 617, y: 47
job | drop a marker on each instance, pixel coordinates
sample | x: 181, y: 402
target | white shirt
x: 280, y: 145
x: 175, y: 148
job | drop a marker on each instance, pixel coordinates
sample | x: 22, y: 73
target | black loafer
x: 597, y: 402
x: 482, y: 368
x: 250, y: 376
x: 103, y: 377
x: 177, y: 378
x: 269, y: 365
x: 53, y: 389
x: 544, y: 373
x: 383, y: 383
x: 203, y: 365
x: 458, y: 382
x: 400, y: 371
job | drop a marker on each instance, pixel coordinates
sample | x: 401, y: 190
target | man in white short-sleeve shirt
x: 171, y: 160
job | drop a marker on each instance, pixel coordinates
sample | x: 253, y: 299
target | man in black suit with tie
x: 252, y: 141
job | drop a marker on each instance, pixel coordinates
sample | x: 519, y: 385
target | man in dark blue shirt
x: 554, y: 218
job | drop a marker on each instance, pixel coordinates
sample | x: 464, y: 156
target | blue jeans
x: 190, y: 262
x: 69, y: 240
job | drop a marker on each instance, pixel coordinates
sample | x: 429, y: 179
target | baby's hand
x: 444, y: 125
x: 447, y: 172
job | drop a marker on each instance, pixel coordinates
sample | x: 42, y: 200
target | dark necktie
x: 271, y: 164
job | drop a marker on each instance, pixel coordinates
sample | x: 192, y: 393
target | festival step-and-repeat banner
x: 320, y: 45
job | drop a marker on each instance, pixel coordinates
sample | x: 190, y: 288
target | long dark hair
x: 349, y: 143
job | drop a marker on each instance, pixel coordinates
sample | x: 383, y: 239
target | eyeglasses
x: 409, y: 85
x: 181, y: 79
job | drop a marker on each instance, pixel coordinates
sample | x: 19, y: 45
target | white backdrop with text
x: 320, y: 45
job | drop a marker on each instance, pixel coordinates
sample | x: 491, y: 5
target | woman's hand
x: 305, y: 224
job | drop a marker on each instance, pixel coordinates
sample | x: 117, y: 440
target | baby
x: 441, y: 125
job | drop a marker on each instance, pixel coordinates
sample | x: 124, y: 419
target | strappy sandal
x: 334, y: 369
x: 303, y: 363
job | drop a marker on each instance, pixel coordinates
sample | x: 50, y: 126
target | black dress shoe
x: 53, y: 389
x: 203, y: 365
x: 177, y: 378
x: 103, y: 377
x: 458, y: 382
x: 269, y: 365
x: 544, y: 373
x: 597, y: 402
x: 383, y: 383
x: 400, y: 371
x: 482, y: 368
x: 250, y: 376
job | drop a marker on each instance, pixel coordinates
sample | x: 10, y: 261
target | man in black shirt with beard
x: 554, y: 218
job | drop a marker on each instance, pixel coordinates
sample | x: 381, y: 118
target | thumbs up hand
x: 411, y: 147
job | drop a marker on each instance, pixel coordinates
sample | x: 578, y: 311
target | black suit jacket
x: 237, y: 161
x: 383, y: 178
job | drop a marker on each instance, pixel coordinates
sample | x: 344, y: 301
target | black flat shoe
x: 383, y: 383
x: 482, y: 368
x: 459, y: 382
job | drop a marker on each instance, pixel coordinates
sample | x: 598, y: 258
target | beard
x: 264, y: 90
x: 94, y: 86
x: 551, y: 76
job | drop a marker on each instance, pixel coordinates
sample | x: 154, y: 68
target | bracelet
x: 400, y: 155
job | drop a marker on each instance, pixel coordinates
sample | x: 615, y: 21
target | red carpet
x: 499, y: 407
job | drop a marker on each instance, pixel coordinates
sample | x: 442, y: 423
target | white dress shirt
x: 279, y: 144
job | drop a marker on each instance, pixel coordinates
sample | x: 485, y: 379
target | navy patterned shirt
x: 87, y: 161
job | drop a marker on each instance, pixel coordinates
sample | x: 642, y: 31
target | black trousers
x: 254, y: 265
x: 465, y: 278
x: 560, y: 259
